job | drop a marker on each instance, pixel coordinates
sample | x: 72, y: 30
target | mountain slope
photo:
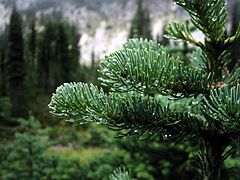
x: 104, y: 24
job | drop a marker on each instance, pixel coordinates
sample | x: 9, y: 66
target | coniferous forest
x: 163, y: 107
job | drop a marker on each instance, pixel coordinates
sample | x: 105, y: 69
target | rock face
x: 103, y: 24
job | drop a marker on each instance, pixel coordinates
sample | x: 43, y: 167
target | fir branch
x: 120, y: 174
x: 146, y: 67
x: 208, y: 16
x: 181, y: 31
x: 222, y: 107
x: 83, y: 103
x: 229, y: 41
x: 131, y: 113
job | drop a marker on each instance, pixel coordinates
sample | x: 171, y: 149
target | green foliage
x: 15, y: 70
x: 116, y: 111
x: 152, y: 159
x: 55, y: 168
x: 120, y: 174
x: 142, y: 72
x: 25, y: 156
x: 5, y: 108
x: 234, y: 27
x: 6, y: 120
x: 208, y: 16
x: 25, y: 153
x: 30, y: 52
x: 147, y: 67
x: 223, y: 109
x: 101, y: 166
x: 181, y: 31
x: 58, y: 55
x: 15, y: 64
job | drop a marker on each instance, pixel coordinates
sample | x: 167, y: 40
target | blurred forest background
x: 44, y: 43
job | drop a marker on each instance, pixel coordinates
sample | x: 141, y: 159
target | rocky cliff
x: 103, y: 24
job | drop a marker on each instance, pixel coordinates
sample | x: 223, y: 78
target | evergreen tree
x: 30, y: 52
x: 141, y: 24
x: 234, y: 25
x: 58, y: 55
x: 15, y: 64
x: 5, y: 114
x: 46, y: 57
x: 43, y: 66
x: 142, y: 72
x: 32, y: 42
x: 74, y: 53
x: 3, y: 58
x: 63, y: 54
x: 24, y: 158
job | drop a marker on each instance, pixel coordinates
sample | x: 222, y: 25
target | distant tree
x: 43, y: 63
x: 74, y: 52
x: 141, y: 23
x: 58, y: 55
x: 32, y: 41
x: 68, y: 39
x: 63, y: 54
x: 3, y: 58
x: 15, y: 63
x: 46, y: 56
x: 30, y: 51
x: 5, y: 117
x: 24, y: 156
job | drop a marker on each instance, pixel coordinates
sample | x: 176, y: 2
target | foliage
x: 34, y: 61
x: 142, y: 70
x: 99, y: 167
x: 26, y: 157
x: 15, y: 62
x: 5, y: 108
x: 58, y: 53
x: 25, y: 153
x: 120, y: 174
x: 15, y: 71
x: 56, y: 168
x: 234, y: 25
x: 153, y: 159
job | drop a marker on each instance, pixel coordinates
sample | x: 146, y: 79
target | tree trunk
x: 213, y: 156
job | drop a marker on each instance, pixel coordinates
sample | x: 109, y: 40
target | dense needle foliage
x: 142, y: 71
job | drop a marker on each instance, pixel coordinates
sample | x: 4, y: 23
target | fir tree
x: 143, y: 72
x: 3, y: 58
x: 30, y: 52
x: 141, y: 24
x: 58, y: 55
x: 32, y: 42
x: 234, y: 25
x: 74, y: 52
x: 25, y: 158
x: 63, y: 54
x: 46, y: 57
x: 15, y: 64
